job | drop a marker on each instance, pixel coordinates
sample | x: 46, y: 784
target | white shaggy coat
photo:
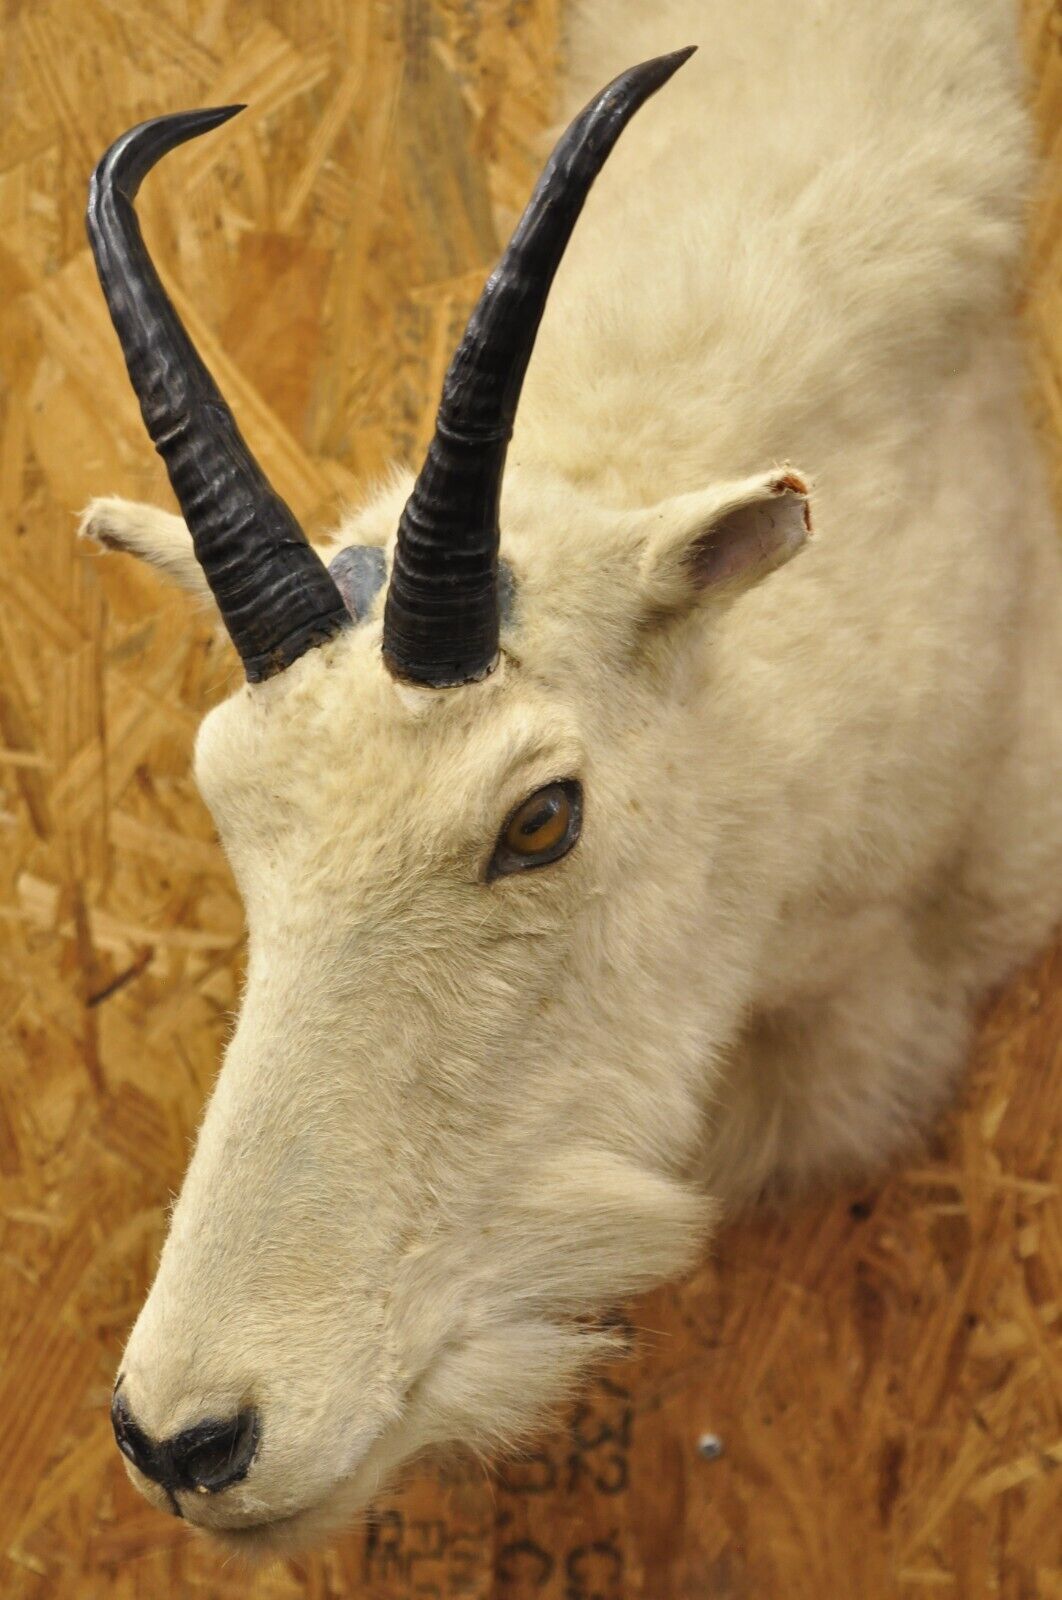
x: 822, y: 810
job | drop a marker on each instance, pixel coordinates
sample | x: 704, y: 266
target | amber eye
x: 541, y: 829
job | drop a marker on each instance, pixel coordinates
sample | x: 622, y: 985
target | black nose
x: 207, y: 1457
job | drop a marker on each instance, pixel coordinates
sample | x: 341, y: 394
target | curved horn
x: 274, y: 593
x: 441, y: 618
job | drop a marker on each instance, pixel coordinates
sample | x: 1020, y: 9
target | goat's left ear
x: 154, y: 536
x: 720, y: 541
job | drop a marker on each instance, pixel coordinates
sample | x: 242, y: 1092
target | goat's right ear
x: 717, y: 542
x: 155, y: 536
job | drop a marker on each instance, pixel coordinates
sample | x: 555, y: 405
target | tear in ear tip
x: 791, y: 480
x: 793, y: 483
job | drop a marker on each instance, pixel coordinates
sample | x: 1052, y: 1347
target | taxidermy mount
x: 631, y: 804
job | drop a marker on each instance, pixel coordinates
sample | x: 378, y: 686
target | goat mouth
x: 267, y: 1535
x: 267, y: 1538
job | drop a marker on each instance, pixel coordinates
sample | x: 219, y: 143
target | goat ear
x: 155, y: 536
x: 720, y: 541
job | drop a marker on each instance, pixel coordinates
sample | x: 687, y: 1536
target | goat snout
x: 208, y: 1457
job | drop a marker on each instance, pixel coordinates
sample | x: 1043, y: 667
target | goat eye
x: 541, y: 829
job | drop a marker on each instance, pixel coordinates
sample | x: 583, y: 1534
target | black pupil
x: 546, y: 810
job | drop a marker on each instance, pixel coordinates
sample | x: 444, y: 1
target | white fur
x: 822, y: 811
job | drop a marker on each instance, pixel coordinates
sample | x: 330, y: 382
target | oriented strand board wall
x: 884, y: 1368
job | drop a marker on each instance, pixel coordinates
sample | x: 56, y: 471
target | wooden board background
x: 884, y: 1368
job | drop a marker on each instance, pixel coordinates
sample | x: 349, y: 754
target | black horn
x: 441, y: 618
x: 274, y: 593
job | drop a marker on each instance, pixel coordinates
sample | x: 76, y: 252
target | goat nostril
x: 207, y: 1458
x: 132, y: 1441
x: 213, y: 1455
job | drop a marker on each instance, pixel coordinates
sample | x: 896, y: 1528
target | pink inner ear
x: 751, y: 540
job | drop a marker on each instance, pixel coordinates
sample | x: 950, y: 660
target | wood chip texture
x: 883, y: 1368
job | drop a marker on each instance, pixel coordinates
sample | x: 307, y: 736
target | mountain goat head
x: 459, y: 1117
